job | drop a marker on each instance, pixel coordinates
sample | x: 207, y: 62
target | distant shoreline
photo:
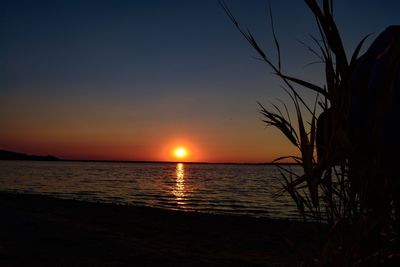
x: 11, y: 155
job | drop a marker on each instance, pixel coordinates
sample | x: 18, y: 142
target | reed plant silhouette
x: 344, y: 183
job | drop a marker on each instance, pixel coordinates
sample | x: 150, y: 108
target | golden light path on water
x: 221, y: 189
x: 179, y: 190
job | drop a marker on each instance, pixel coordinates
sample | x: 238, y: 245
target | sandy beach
x: 45, y: 231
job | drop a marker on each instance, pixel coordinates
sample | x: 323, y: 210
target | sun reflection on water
x: 179, y: 190
x: 221, y: 189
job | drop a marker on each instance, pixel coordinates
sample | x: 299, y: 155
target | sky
x: 131, y: 80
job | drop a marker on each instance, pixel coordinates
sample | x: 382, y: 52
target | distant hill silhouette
x: 9, y: 155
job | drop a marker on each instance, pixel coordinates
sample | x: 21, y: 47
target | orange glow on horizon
x: 180, y: 153
x: 148, y: 147
x: 180, y: 149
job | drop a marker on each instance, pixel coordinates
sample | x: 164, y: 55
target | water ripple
x: 232, y: 189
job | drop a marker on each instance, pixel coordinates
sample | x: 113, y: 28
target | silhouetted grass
x: 334, y: 188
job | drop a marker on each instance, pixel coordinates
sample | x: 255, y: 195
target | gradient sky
x: 130, y: 80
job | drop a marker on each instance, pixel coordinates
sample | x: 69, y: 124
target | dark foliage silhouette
x: 349, y: 177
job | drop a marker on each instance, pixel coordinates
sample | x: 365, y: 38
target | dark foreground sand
x: 44, y: 231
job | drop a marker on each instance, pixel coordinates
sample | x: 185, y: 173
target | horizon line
x: 23, y: 156
x: 176, y: 162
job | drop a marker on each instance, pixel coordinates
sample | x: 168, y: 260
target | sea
x: 236, y: 189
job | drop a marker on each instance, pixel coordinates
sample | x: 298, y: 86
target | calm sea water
x: 233, y: 189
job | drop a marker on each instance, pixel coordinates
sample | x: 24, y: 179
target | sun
x: 180, y: 152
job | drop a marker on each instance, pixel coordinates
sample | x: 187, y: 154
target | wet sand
x: 45, y: 231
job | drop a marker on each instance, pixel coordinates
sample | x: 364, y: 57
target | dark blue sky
x: 124, y: 79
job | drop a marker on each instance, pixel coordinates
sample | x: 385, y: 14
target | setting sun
x: 180, y: 152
